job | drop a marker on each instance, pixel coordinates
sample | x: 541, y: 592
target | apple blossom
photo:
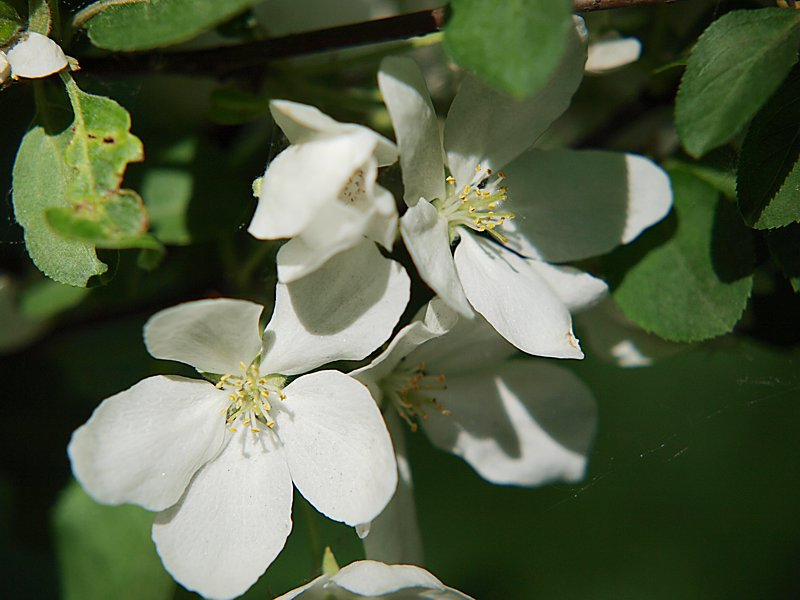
x: 218, y: 460
x: 567, y: 205
x: 321, y: 191
x: 515, y: 421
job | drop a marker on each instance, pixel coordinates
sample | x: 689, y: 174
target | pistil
x: 250, y: 397
x: 411, y: 391
x: 476, y: 205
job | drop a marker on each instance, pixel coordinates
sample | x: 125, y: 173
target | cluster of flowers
x: 488, y: 224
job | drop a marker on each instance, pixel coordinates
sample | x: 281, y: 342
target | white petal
x: 211, y: 335
x: 427, y: 239
x: 416, y: 128
x: 5, y: 68
x: 339, y: 452
x: 469, y: 345
x: 489, y: 128
x: 304, y: 177
x: 302, y: 123
x: 342, y: 311
x: 512, y: 296
x: 435, y: 320
x: 337, y: 226
x: 233, y: 520
x: 522, y: 423
x: 574, y: 204
x: 143, y: 445
x: 577, y: 289
x: 312, y: 586
x: 394, y: 535
x: 35, y: 56
x: 371, y: 578
x: 607, y: 55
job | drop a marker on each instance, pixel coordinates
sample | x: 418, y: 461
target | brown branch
x: 233, y: 58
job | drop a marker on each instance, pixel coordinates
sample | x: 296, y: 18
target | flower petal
x: 304, y: 177
x: 372, y: 578
x: 522, y: 423
x: 427, y: 239
x: 577, y: 289
x: 514, y: 298
x: 394, y: 534
x: 342, y: 311
x: 416, y: 128
x: 574, y: 204
x: 302, y: 123
x: 36, y: 55
x: 143, y: 445
x: 211, y: 335
x: 434, y: 320
x: 485, y: 127
x: 233, y: 520
x: 339, y: 452
x: 607, y: 55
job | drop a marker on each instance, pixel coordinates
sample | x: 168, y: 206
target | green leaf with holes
x: 514, y: 45
x: 66, y: 189
x: 688, y: 278
x: 736, y: 65
x: 106, y: 551
x: 768, y: 183
x: 157, y: 23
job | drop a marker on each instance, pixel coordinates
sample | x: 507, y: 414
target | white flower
x: 321, y: 191
x: 219, y: 460
x: 371, y: 579
x: 515, y: 421
x: 567, y: 205
x: 35, y: 56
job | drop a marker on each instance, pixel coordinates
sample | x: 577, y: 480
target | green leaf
x: 157, y: 23
x: 689, y: 278
x: 513, y: 45
x: 40, y: 18
x: 67, y: 192
x: 768, y: 183
x: 106, y: 551
x: 40, y: 180
x: 784, y: 245
x: 10, y: 23
x: 737, y: 63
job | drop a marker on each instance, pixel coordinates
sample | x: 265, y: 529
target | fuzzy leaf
x: 512, y: 45
x: 738, y: 62
x: 106, y: 551
x: 689, y: 278
x: 157, y: 23
x: 768, y: 183
x: 67, y: 192
x: 10, y: 23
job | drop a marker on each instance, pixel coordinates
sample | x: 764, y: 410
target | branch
x: 233, y: 58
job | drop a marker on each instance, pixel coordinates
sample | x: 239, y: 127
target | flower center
x: 251, y: 396
x: 412, y: 390
x: 476, y: 204
x: 354, y: 191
